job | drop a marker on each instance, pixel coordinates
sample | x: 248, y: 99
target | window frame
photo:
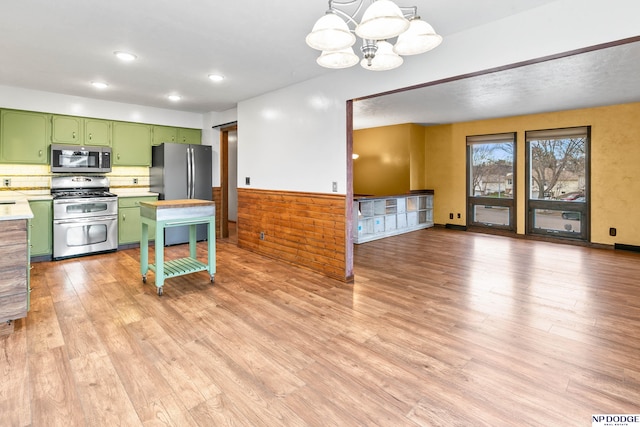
x: 531, y: 205
x: 472, y: 201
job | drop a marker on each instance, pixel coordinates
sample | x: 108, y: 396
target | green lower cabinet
x: 41, y: 227
x: 129, y: 228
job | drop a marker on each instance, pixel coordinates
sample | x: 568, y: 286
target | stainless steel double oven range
x: 85, y: 216
x: 85, y: 213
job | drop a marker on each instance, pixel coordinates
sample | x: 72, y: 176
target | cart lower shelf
x: 179, y: 267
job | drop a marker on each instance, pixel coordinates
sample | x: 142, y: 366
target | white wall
x: 47, y: 102
x: 211, y: 136
x: 295, y: 138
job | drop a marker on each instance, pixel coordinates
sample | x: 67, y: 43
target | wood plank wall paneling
x: 305, y: 229
x: 216, y: 196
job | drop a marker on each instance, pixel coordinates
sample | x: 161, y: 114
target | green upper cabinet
x: 131, y: 144
x: 189, y: 136
x: 164, y: 134
x: 66, y: 129
x: 97, y: 132
x: 81, y: 131
x: 181, y: 135
x: 24, y: 137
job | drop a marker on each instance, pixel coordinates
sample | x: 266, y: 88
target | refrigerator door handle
x: 189, y: 173
x: 193, y: 172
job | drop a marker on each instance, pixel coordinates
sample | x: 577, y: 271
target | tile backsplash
x: 38, y: 177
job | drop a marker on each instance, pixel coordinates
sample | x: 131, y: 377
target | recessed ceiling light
x: 174, y: 97
x: 99, y: 85
x: 216, y: 77
x: 125, y: 56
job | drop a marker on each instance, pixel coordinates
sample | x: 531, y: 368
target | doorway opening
x: 228, y: 211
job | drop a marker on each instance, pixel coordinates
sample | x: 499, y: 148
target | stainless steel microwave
x: 77, y: 158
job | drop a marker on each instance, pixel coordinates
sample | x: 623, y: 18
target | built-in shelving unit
x: 378, y: 217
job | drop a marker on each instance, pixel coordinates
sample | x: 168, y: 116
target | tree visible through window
x: 557, y: 166
x: 490, y: 174
x: 558, y: 182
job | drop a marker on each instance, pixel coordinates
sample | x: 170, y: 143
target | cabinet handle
x: 39, y: 153
x: 118, y: 156
x: 74, y: 135
x: 90, y: 136
x: 124, y: 217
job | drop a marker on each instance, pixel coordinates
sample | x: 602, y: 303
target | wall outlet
x: 451, y: 215
x: 262, y: 235
x: 334, y: 186
x: 612, y: 231
x: 7, y: 182
x: 135, y: 180
x: 247, y: 180
x: 458, y: 214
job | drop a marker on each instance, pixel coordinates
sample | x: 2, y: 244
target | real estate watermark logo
x: 615, y: 420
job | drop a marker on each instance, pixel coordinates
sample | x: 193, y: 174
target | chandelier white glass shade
x: 381, y: 21
x: 383, y: 59
x: 343, y: 58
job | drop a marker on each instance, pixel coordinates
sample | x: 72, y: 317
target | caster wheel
x: 213, y: 279
x: 144, y: 279
x: 159, y: 291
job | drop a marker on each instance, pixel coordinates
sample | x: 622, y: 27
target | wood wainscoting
x: 222, y: 229
x: 305, y: 229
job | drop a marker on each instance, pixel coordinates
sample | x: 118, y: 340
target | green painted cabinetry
x: 97, y: 132
x: 189, y: 136
x: 181, y: 135
x: 131, y: 144
x: 164, y: 134
x: 81, y: 131
x: 129, y: 229
x: 24, y: 137
x: 66, y: 129
x: 41, y: 227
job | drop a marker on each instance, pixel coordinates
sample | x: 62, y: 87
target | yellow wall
x: 615, y: 165
x: 392, y: 159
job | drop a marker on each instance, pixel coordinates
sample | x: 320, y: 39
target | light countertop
x: 15, y: 204
x: 132, y: 192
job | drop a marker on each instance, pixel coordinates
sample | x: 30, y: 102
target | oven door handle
x: 85, y: 201
x: 84, y: 220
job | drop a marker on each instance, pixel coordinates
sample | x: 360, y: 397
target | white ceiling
x: 595, y: 78
x: 61, y: 46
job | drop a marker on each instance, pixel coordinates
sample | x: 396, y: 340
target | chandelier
x: 383, y: 20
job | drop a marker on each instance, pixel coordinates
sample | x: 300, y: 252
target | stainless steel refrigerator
x: 181, y: 171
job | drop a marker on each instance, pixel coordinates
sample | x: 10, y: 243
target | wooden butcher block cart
x: 174, y: 213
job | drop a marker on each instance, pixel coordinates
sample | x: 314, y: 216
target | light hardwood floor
x: 440, y: 328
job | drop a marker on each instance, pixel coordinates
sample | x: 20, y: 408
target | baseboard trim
x: 456, y: 227
x: 624, y: 247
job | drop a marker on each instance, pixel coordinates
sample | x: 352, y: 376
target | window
x: 490, y: 180
x: 558, y: 182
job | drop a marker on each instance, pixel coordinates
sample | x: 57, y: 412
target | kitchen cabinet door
x: 97, y: 132
x: 24, y: 137
x: 67, y: 130
x: 41, y: 227
x: 131, y: 144
x: 189, y: 136
x: 164, y: 134
x: 129, y: 227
